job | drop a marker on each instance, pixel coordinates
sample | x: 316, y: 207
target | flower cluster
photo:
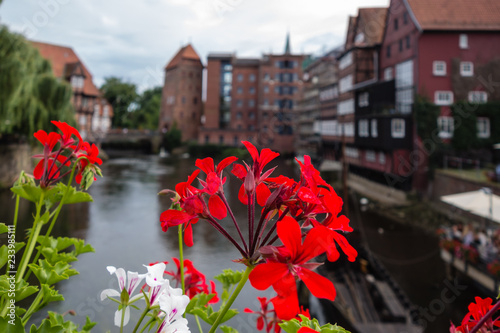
x: 304, y: 215
x: 479, y: 318
x: 171, y: 301
x: 60, y: 150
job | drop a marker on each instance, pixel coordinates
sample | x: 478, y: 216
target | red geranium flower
x: 476, y: 312
x: 291, y: 263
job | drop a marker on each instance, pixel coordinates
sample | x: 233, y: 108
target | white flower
x: 156, y: 282
x: 133, y: 279
x: 173, y: 304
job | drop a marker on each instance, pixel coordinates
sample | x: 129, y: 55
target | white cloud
x: 133, y: 39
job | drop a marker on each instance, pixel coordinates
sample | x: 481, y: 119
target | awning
x: 476, y: 202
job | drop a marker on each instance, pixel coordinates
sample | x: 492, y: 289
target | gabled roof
x: 371, y: 22
x: 185, y: 53
x: 456, y: 14
x: 64, y: 59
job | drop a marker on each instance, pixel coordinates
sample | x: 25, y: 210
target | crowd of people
x: 464, y: 239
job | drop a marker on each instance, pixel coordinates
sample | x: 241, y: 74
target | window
x: 239, y: 103
x: 443, y: 97
x: 266, y: 77
x: 396, y: 24
x: 408, y: 44
x: 466, y: 68
x: 346, y: 107
x: 398, y: 128
x: 404, y: 100
x: 221, y: 139
x: 345, y: 61
x: 239, y: 115
x: 381, y: 158
x: 77, y: 81
x: 388, y: 74
x: 251, y: 115
x: 349, y: 129
x: 251, y: 90
x: 400, y: 45
x: 277, y: 90
x: 388, y: 51
x: 374, y: 128
x: 266, y: 89
x: 370, y: 156
x: 105, y: 111
x: 266, y: 102
x: 352, y: 152
x: 195, y: 100
x: 345, y: 83
x: 439, y: 68
x: 363, y: 99
x: 463, y: 41
x: 478, y: 97
x: 228, y: 77
x: 404, y: 74
x: 251, y: 103
x: 483, y: 127
x: 240, y: 77
x: 405, y: 18
x: 83, y: 120
x: 183, y: 99
x: 363, y: 128
x: 251, y: 77
x: 446, y: 127
x: 239, y: 90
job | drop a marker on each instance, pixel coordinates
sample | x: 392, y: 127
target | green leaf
x: 200, y: 301
x: 228, y: 329
x: 46, y: 327
x: 51, y: 274
x: 124, y: 296
x: 81, y: 247
x: 74, y: 196
x: 3, y: 228
x: 11, y: 325
x: 22, y: 289
x: 4, y: 255
x: 88, y: 325
x: 49, y: 294
x: 53, y: 257
x: 28, y: 191
x: 228, y: 278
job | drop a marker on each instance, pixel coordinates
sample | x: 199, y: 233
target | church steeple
x: 287, y: 44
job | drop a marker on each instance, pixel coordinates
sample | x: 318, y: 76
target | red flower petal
x: 188, y: 235
x: 242, y: 195
x: 319, y: 285
x: 206, y: 165
x: 239, y: 171
x: 265, y: 275
x: 263, y: 193
x: 173, y: 217
x: 252, y: 150
x: 224, y: 163
x: 316, y: 242
x: 38, y: 171
x: 289, y: 233
x: 345, y: 246
x: 216, y: 207
x: 266, y: 156
x: 286, y: 304
x: 306, y: 330
x: 305, y: 194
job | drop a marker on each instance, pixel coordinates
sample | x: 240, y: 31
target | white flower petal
x: 109, y: 293
x: 120, y: 275
x: 154, y: 277
x: 133, y: 281
x: 179, y: 326
x: 111, y: 269
x: 173, y: 306
x: 118, y: 317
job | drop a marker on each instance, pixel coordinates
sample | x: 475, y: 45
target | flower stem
x: 16, y: 212
x: 123, y: 319
x: 223, y: 197
x: 143, y: 315
x: 198, y: 322
x: 35, y: 231
x: 487, y: 316
x: 33, y: 307
x: 235, y: 294
x: 218, y: 227
x: 181, y: 259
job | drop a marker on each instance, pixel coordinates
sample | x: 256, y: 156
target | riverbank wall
x: 14, y: 158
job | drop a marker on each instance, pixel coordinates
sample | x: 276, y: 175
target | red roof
x: 63, y: 59
x: 456, y: 14
x: 185, y: 53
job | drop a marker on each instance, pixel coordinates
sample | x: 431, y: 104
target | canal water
x: 122, y: 224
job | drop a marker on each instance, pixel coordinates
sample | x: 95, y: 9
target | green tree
x: 123, y: 97
x: 147, y: 114
x: 30, y: 95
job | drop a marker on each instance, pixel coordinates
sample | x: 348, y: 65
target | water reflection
x: 123, y: 226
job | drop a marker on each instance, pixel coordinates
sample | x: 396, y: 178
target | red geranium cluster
x: 303, y: 214
x: 59, y: 151
x: 479, y: 318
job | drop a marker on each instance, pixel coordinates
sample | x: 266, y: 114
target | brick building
x: 252, y: 99
x: 181, y: 103
x: 441, y: 50
x: 93, y: 112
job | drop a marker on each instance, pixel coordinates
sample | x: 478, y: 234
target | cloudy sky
x: 134, y: 40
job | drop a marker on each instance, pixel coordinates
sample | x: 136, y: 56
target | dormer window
x: 77, y: 81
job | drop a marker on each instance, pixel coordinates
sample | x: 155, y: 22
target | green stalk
x: 144, y: 313
x: 35, y: 231
x: 147, y: 324
x: 181, y: 259
x: 33, y: 307
x: 123, y: 319
x: 198, y: 322
x: 235, y: 294
x: 16, y: 212
x: 57, y: 211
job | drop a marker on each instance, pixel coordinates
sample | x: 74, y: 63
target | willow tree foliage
x: 30, y: 95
